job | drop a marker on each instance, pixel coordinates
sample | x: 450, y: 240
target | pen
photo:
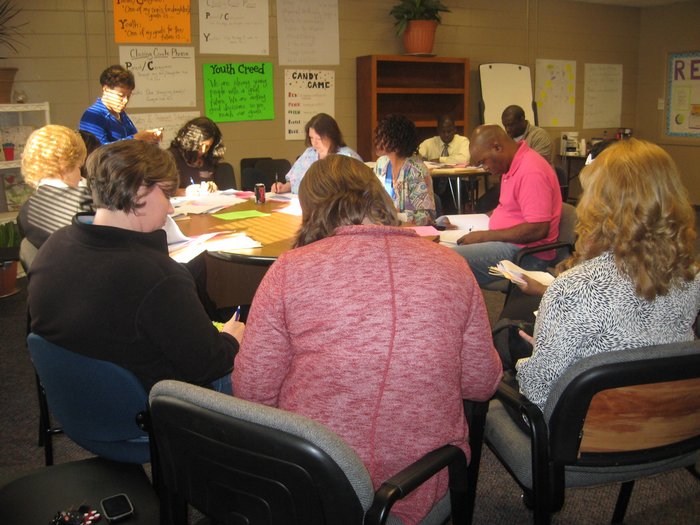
x: 237, y: 314
x: 276, y: 182
x: 191, y: 180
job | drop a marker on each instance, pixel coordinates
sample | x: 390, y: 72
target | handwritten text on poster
x: 164, y: 75
x: 235, y: 92
x: 152, y: 21
x: 234, y: 28
x: 306, y: 93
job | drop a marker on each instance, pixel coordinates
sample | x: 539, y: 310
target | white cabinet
x: 16, y: 122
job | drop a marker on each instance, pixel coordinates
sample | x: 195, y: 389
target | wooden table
x: 232, y: 278
x: 470, y: 173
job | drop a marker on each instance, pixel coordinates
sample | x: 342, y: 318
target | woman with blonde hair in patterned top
x: 634, y: 278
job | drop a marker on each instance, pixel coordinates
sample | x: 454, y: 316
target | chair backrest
x: 563, y: 180
x: 225, y: 176
x: 249, y: 176
x: 236, y: 461
x: 567, y: 223
x: 27, y: 252
x: 96, y: 402
x: 272, y: 170
x: 640, y: 405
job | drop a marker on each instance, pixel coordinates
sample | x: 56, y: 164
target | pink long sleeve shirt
x: 379, y: 335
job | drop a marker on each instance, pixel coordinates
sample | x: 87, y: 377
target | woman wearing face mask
x: 197, y: 149
x: 106, y: 118
x: 323, y: 138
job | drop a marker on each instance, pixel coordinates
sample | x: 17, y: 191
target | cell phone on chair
x: 117, y: 508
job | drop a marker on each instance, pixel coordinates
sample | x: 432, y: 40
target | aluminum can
x: 260, y: 193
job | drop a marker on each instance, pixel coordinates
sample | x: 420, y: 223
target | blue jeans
x: 223, y: 385
x: 484, y: 254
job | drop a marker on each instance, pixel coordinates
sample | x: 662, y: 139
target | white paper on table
x: 465, y: 223
x: 232, y: 243
x: 514, y: 273
x: 187, y: 250
x: 281, y: 197
x: 173, y: 231
x: 294, y: 208
x: 210, y: 203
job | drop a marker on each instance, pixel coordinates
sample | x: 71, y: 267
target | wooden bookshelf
x: 421, y: 88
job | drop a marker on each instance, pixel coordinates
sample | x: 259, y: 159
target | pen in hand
x: 277, y: 182
x: 237, y: 314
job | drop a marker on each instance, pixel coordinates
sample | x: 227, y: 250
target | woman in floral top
x: 402, y: 171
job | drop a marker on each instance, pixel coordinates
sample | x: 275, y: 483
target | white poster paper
x: 602, y: 98
x: 307, y: 32
x: 171, y: 122
x: 306, y: 93
x: 236, y: 27
x: 555, y: 92
x: 165, y: 75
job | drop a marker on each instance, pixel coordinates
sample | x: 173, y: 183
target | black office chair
x: 610, y: 418
x: 563, y: 183
x: 249, y: 175
x: 225, y: 176
x: 272, y: 170
x: 242, y: 462
x: 38, y: 496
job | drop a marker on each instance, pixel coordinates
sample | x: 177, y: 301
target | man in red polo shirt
x: 529, y: 205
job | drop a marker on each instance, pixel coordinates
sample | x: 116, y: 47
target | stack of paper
x: 515, y: 273
x: 210, y: 203
x: 464, y: 224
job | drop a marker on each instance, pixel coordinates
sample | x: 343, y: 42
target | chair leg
x: 475, y: 413
x: 622, y: 500
x: 45, y: 431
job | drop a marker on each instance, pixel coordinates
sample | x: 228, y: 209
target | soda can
x: 260, y: 193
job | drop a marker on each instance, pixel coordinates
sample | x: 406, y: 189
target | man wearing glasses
x: 106, y: 118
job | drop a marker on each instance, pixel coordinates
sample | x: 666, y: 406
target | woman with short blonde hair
x: 51, y: 163
x: 634, y: 279
x: 55, y: 152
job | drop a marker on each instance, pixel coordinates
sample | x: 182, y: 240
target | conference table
x: 469, y: 173
x: 233, y: 277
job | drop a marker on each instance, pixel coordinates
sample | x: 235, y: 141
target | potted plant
x: 417, y: 21
x: 9, y: 255
x: 9, y: 38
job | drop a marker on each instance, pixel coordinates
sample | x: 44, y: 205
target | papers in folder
x: 514, y: 273
x: 465, y: 224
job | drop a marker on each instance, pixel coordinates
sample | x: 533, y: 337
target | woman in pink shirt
x: 353, y: 329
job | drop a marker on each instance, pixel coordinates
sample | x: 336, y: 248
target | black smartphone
x: 117, y: 507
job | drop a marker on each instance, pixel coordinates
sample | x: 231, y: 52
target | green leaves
x: 416, y: 10
x: 9, y: 235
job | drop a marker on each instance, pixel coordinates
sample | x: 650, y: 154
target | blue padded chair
x: 101, y: 406
x: 241, y: 462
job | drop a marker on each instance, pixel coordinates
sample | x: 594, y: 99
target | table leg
x: 459, y: 195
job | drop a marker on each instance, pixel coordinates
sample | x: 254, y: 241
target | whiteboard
x: 503, y: 85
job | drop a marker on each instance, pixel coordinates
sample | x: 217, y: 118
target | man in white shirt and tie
x: 447, y: 147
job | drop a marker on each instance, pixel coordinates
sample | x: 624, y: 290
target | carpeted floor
x: 672, y: 498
